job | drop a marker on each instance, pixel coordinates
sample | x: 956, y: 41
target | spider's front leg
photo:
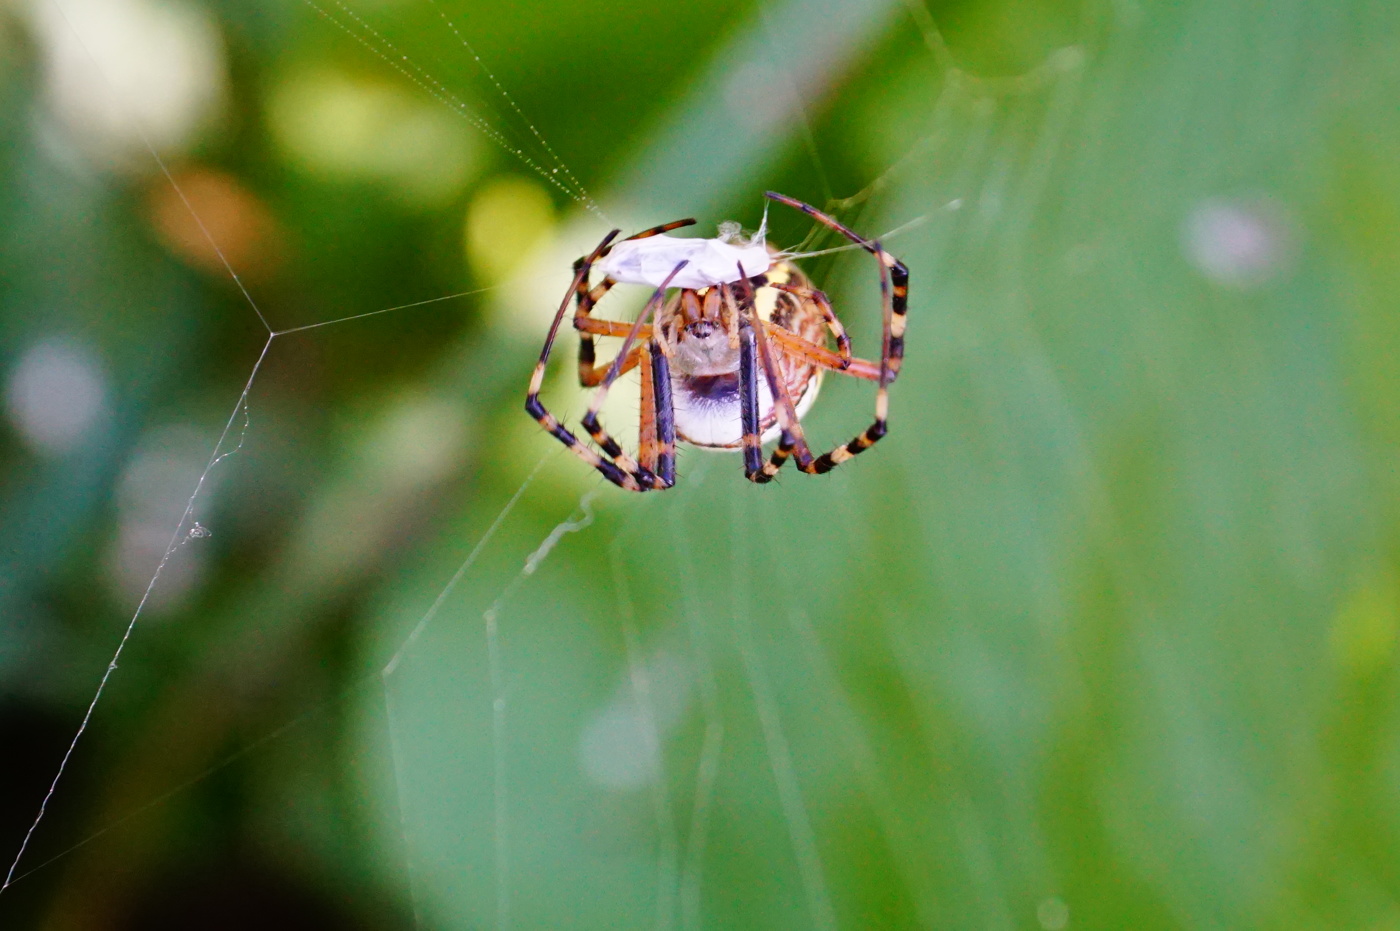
x: 632, y: 479
x: 755, y: 469
x: 894, y: 299
x: 752, y: 359
x: 756, y: 361
x: 660, y: 391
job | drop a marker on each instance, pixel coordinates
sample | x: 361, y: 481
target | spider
x: 734, y: 359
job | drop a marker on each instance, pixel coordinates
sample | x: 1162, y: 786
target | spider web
x: 716, y: 707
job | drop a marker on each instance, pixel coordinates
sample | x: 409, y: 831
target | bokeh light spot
x: 620, y: 747
x: 1365, y: 630
x: 211, y: 217
x: 1239, y: 243
x: 138, y: 72
x: 508, y: 219
x: 55, y: 395
x: 619, y: 750
x: 1053, y: 914
x: 361, y: 130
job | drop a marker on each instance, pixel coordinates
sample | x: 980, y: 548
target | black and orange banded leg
x: 593, y: 377
x: 646, y: 422
x: 894, y: 291
x: 793, y: 442
x: 819, y: 300
x: 748, y: 404
x: 590, y: 420
x: 663, y: 411
x: 800, y: 348
x: 755, y: 357
x: 780, y: 456
x: 632, y: 480
x: 586, y: 298
x: 894, y: 294
x: 755, y: 469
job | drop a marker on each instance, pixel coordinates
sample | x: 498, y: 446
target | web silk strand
x: 177, y: 538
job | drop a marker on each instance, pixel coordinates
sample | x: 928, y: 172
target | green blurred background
x: 1103, y: 635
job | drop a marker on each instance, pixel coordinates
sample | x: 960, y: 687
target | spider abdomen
x: 708, y: 414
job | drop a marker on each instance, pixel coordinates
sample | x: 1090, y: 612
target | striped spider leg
x: 617, y: 467
x: 586, y: 298
x: 894, y: 291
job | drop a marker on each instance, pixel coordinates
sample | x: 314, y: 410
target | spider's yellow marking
x: 765, y: 299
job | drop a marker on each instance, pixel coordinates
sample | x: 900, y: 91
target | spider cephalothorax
x: 733, y: 359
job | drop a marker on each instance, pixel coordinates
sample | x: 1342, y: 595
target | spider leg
x: 894, y: 282
x: 780, y: 456
x: 657, y: 436
x: 633, y: 480
x: 647, y: 451
x: 894, y: 294
x: 657, y: 230
x: 755, y: 469
x: 663, y: 409
x: 590, y: 377
x: 586, y: 298
x: 597, y: 326
x: 748, y: 403
x: 590, y: 420
x: 819, y: 300
x: 794, y: 441
x: 610, y: 446
x: 808, y: 351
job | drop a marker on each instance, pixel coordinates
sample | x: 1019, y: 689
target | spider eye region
x: 709, y: 262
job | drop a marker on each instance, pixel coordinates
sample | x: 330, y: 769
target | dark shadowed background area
x: 1102, y: 635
